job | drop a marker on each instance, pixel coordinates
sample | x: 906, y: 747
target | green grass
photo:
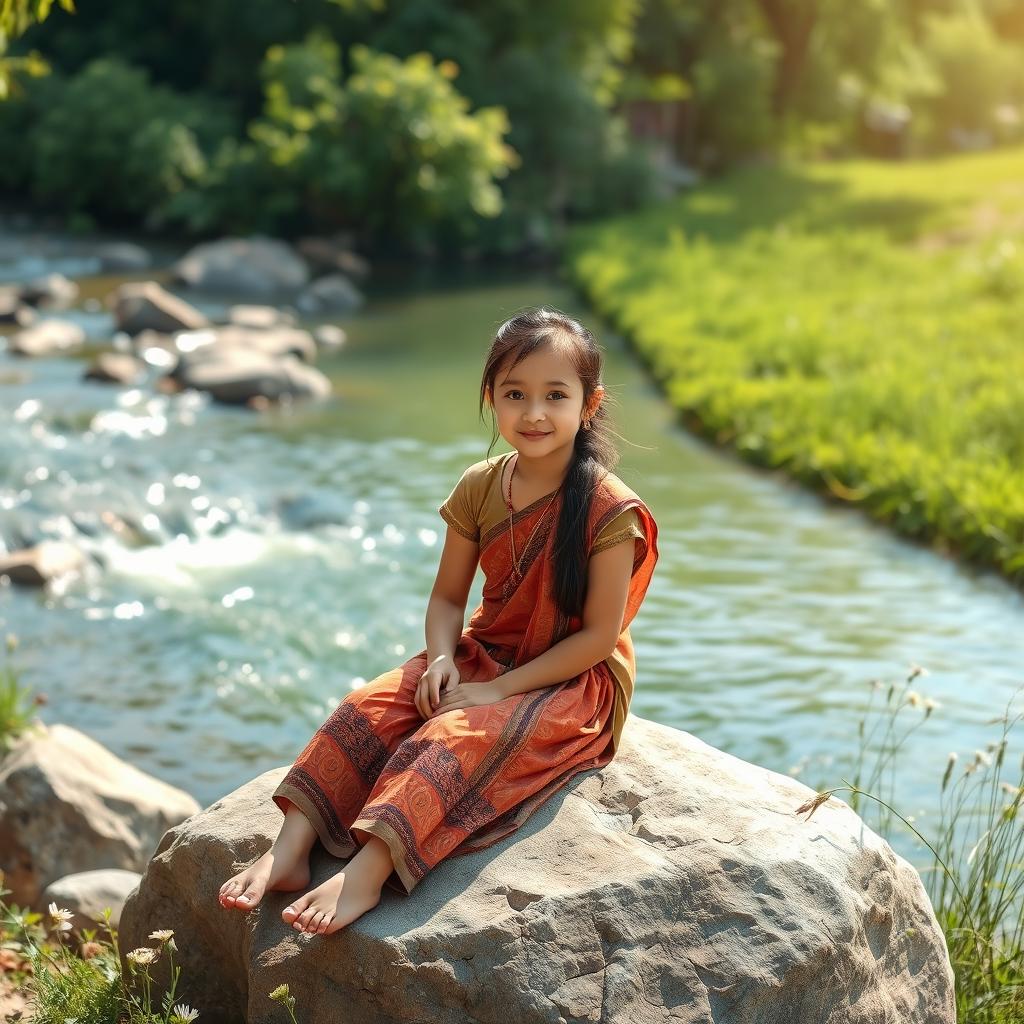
x: 859, y: 325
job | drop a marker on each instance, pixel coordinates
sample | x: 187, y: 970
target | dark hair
x: 594, y: 452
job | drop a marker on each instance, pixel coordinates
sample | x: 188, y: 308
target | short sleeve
x: 461, y: 509
x: 625, y: 525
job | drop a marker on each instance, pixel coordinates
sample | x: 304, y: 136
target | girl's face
x: 538, y: 404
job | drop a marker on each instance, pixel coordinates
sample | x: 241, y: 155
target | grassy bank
x: 859, y: 325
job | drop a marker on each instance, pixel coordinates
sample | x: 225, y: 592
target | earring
x: 586, y: 424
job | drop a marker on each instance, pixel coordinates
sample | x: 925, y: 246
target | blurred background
x: 252, y: 256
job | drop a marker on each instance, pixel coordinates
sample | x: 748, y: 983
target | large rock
x: 677, y: 883
x: 145, y: 306
x: 243, y: 266
x: 67, y: 804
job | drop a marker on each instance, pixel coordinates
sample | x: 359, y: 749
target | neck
x: 547, y: 471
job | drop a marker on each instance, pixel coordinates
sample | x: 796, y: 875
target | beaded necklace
x: 516, y: 561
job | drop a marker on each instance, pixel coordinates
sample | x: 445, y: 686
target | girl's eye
x: 559, y: 393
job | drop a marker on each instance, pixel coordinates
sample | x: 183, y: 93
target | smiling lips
x: 534, y: 434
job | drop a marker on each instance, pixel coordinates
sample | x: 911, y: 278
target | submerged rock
x: 675, y: 883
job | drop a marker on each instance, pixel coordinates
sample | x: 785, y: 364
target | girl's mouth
x: 535, y: 435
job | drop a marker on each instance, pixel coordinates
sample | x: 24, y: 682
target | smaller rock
x: 13, y: 310
x: 39, y: 565
x: 260, y: 317
x: 237, y: 375
x: 115, y: 368
x: 122, y: 257
x: 145, y: 305
x: 46, y: 338
x: 329, y: 336
x: 49, y: 290
x: 88, y: 893
x: 334, y: 293
x: 331, y: 254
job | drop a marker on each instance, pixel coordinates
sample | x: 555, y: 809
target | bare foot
x: 334, y: 904
x: 272, y: 871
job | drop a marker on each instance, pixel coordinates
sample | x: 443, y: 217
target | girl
x: 453, y: 750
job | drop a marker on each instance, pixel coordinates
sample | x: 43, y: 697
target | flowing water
x: 248, y: 569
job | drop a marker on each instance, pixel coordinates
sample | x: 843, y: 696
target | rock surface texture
x: 675, y: 884
x: 67, y: 804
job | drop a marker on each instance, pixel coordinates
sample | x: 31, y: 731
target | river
x: 275, y: 560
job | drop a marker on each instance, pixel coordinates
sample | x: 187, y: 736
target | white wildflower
x: 61, y: 918
x: 142, y: 955
x: 183, y: 1014
x: 163, y: 934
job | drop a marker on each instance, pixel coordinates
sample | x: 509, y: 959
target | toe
x: 292, y: 911
x: 250, y: 897
x: 305, y: 917
x: 325, y: 923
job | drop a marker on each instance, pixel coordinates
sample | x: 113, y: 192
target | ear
x: 595, y: 399
x: 488, y: 395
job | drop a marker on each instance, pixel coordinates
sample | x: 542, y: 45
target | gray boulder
x: 236, y: 376
x: 677, y: 883
x: 67, y: 804
x: 245, y: 266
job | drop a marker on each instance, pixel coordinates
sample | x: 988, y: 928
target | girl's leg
x: 285, y: 866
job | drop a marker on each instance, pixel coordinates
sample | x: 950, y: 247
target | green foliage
x: 974, y: 72
x: 976, y: 849
x: 855, y: 324
x: 392, y: 151
x: 15, y: 703
x: 116, y: 146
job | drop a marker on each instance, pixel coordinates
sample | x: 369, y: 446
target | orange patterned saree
x: 464, y: 779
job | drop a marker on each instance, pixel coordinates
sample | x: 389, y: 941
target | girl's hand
x: 472, y: 696
x: 441, y: 672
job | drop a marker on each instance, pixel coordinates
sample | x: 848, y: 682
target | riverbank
x: 854, y: 324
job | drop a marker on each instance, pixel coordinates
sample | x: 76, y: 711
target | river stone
x: 49, y: 290
x: 213, y: 342
x: 38, y: 565
x: 334, y: 293
x: 260, y: 317
x: 13, y: 311
x: 115, y: 368
x: 88, y: 893
x: 144, y: 305
x: 676, y: 883
x: 67, y: 804
x: 244, y: 266
x: 237, y: 375
x: 122, y: 257
x: 47, y: 338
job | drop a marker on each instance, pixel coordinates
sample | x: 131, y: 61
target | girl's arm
x: 446, y: 609
x: 608, y: 574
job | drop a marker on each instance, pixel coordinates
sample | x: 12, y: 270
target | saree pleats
x: 454, y: 784
x: 462, y: 780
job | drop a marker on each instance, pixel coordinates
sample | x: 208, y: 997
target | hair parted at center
x: 594, y: 451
